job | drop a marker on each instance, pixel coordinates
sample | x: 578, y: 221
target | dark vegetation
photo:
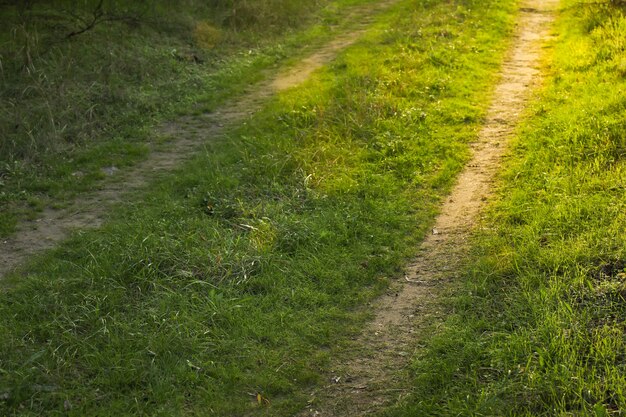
x: 83, y: 82
x: 67, y: 65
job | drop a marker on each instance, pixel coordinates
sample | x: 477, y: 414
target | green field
x: 229, y: 286
x: 241, y: 272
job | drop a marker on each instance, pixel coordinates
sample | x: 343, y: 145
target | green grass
x: 91, y: 101
x: 537, y: 328
x: 242, y: 272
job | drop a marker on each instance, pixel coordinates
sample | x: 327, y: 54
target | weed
x: 206, y: 35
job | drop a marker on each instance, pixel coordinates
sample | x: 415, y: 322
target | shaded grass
x: 70, y: 107
x: 239, y: 275
x: 537, y: 328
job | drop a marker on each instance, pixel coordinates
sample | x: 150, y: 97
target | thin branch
x: 97, y: 16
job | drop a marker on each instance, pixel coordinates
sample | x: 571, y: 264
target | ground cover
x: 73, y: 108
x: 224, y: 288
x: 537, y: 327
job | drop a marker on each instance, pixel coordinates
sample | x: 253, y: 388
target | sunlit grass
x: 537, y: 328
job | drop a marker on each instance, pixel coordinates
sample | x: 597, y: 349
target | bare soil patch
x: 188, y: 133
x: 373, y: 374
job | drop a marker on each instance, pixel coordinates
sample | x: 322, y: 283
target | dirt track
x: 372, y: 375
x: 189, y: 133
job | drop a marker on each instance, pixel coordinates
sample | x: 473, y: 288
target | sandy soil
x: 374, y: 373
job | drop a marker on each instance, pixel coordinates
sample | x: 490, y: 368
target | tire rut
x: 374, y: 374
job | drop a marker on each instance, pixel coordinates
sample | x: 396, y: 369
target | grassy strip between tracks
x: 224, y: 289
x: 538, y: 327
